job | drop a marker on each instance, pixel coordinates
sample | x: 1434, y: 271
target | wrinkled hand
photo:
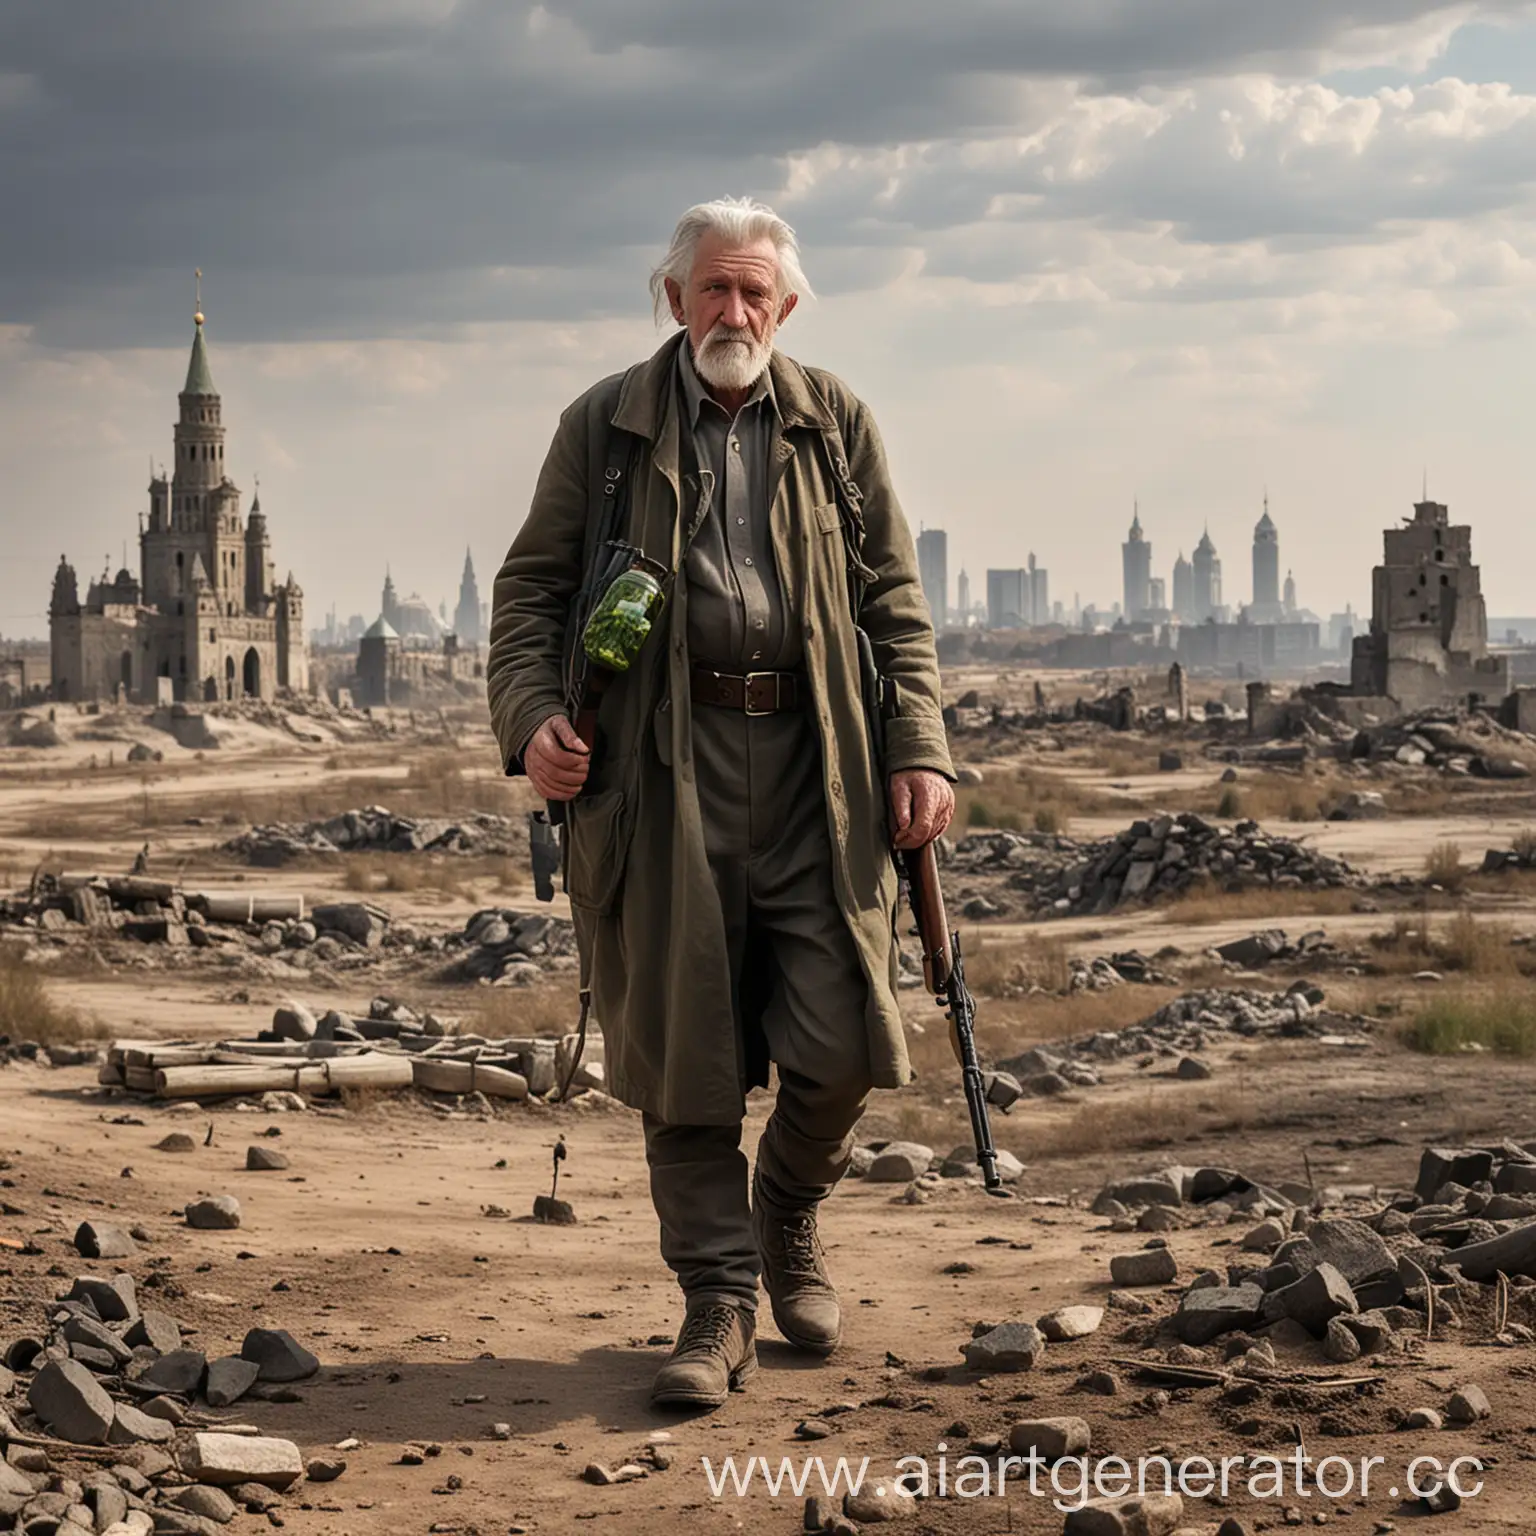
x: 922, y: 803
x: 556, y: 760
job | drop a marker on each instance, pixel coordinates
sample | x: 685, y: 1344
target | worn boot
x: 805, y: 1306
x: 714, y: 1356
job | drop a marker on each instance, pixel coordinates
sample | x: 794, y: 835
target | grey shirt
x: 738, y: 618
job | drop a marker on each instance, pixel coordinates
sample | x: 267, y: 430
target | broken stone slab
x: 265, y: 1160
x: 1317, y: 1298
x: 225, y: 1460
x: 1513, y: 1252
x: 1208, y: 1313
x: 1008, y: 1347
x: 229, y: 1379
x: 86, y: 1330
x: 1155, y: 1189
x: 154, y: 1330
x: 215, y: 1213
x: 115, y: 1300
x: 1256, y: 950
x: 101, y: 1240
x: 278, y: 1356
x: 132, y: 1426
x: 180, y: 1373
x: 1459, y: 1165
x: 1148, y: 1266
x: 1050, y: 1439
x: 1070, y: 1323
x: 899, y: 1162
x: 71, y: 1403
x: 205, y: 1501
x: 1136, y: 1514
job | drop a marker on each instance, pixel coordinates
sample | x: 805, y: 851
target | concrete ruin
x: 1428, y: 640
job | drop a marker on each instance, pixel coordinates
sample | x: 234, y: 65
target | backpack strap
x: 850, y: 505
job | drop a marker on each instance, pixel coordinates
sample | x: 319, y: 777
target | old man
x: 727, y: 839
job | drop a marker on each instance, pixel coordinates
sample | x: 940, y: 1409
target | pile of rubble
x: 393, y: 1047
x: 513, y: 949
x: 1180, y: 1031
x: 375, y: 829
x: 1458, y: 744
x: 116, y: 1387
x: 1157, y: 857
x: 148, y: 911
x: 1354, y: 1283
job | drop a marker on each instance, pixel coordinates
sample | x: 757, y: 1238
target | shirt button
x: 735, y: 445
x: 741, y: 522
x: 761, y: 624
x: 748, y: 560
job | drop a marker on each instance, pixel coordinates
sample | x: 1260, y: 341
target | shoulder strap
x: 850, y: 503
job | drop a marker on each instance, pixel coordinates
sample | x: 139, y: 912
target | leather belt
x: 753, y: 693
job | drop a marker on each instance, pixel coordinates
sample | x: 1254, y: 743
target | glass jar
x: 622, y: 619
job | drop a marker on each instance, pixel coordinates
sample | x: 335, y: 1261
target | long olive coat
x: 647, y: 915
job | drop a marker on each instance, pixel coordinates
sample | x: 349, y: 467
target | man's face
x: 731, y: 307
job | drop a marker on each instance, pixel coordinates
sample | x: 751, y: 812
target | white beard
x: 732, y: 359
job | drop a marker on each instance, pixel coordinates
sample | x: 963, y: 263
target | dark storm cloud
x: 359, y: 167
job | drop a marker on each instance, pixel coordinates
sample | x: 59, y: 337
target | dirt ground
x: 436, y: 1318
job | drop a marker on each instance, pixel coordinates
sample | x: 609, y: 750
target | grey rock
x: 86, y: 1330
x: 278, y: 1355
x: 206, y: 1501
x: 132, y: 1426
x: 101, y: 1240
x: 1009, y: 1347
x: 1208, y: 1313
x: 265, y: 1160
x: 1468, y: 1405
x: 1070, y: 1323
x: 1340, y: 1346
x: 1149, y: 1266
x: 1316, y: 1298
x: 1050, y: 1439
x: 1422, y: 1418
x: 1147, y: 1514
x: 1352, y: 1248
x: 324, y: 1469
x: 899, y: 1162
x: 293, y: 1021
x: 154, y: 1330
x: 180, y: 1372
x: 229, y: 1379
x: 215, y: 1213
x: 115, y: 1300
x: 71, y: 1403
x: 1440, y: 1165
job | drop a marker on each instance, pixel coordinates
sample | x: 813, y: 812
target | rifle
x: 944, y: 975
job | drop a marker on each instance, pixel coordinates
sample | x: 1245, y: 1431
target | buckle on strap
x: 754, y: 677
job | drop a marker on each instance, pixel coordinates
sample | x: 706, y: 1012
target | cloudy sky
x: 1072, y: 254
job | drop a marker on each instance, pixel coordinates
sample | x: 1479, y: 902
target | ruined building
x: 204, y: 619
x: 1428, y: 640
x: 1136, y: 569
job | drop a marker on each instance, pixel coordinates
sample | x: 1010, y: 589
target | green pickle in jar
x: 622, y: 620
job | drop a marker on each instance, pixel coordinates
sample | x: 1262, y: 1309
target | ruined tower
x: 1428, y: 641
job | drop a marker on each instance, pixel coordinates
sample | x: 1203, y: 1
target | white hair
x: 739, y: 221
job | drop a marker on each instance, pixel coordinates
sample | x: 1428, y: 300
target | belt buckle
x: 746, y: 698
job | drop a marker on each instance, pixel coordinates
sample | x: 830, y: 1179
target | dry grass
x: 551, y: 1008
x: 1270, y: 797
x: 1443, y: 867
x: 27, y: 1012
x: 1201, y: 906
x: 1006, y: 968
x: 1502, y: 1020
x: 1024, y: 799
x: 1466, y: 944
x: 1524, y: 845
x: 460, y: 877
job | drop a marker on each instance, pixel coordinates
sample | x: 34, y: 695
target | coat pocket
x: 827, y: 518
x: 598, y: 829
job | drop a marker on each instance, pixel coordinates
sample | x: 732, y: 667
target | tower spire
x: 197, y: 312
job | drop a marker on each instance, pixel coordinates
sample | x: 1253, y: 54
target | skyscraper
x: 1183, y: 590
x: 1266, y: 570
x: 1207, y: 583
x: 933, y: 572
x: 1136, y: 566
x: 964, y: 594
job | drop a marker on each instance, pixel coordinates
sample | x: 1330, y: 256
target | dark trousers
x: 798, y: 980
